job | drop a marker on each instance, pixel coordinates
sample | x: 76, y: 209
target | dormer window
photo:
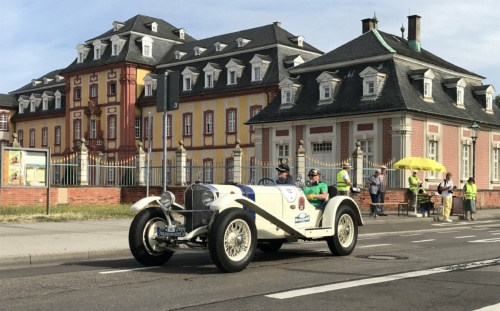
x: 219, y: 46
x: 117, y: 26
x: 242, y: 42
x: 289, y: 87
x: 21, y: 107
x: 82, y: 52
x: 23, y: 102
x: 198, y: 50
x: 149, y: 84
x: 57, y: 96
x: 293, y: 60
x: 47, y: 80
x: 459, y: 85
x: 212, y: 72
x: 35, y: 82
x: 154, y: 27
x: 98, y: 49
x: 423, y: 80
x: 260, y: 63
x: 178, y: 54
x: 373, y: 82
x: 234, y: 70
x: 32, y: 105
x: 147, y: 46
x: 484, y: 94
x: 299, y: 40
x: 181, y: 33
x: 59, y: 78
x: 116, y: 45
x: 189, y: 76
x: 45, y: 104
x: 327, y: 82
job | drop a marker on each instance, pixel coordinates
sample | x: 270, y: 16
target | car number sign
x: 289, y: 192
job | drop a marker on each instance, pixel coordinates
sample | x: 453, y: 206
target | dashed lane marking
x: 490, y: 308
x: 465, y: 237
x: 423, y: 241
x: 374, y: 245
x: 383, y: 279
x: 127, y: 270
x: 493, y: 240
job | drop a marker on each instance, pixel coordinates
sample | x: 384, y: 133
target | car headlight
x: 167, y: 199
x: 207, y: 197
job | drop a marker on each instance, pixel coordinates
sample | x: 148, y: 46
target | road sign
x: 167, y: 91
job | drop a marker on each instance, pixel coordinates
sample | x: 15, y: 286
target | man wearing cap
x: 414, y: 182
x: 343, y: 181
x: 284, y: 177
x: 315, y: 190
x: 470, y: 191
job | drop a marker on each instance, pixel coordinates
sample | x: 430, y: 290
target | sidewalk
x: 56, y: 242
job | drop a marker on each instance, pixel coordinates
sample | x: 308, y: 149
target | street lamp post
x: 474, y: 133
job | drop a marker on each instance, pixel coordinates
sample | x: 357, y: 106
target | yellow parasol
x: 419, y: 164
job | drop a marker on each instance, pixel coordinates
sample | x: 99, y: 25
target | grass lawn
x: 65, y: 213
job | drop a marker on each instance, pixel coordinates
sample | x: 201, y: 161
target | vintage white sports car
x: 231, y: 221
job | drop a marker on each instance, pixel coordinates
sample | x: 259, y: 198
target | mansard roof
x: 40, y: 87
x: 131, y: 33
x: 399, y: 93
x: 7, y: 101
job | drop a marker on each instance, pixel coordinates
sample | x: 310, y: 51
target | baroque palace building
x: 266, y: 89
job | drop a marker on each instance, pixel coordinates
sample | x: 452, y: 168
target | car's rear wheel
x: 232, y: 240
x: 271, y: 246
x: 143, y: 246
x: 344, y: 240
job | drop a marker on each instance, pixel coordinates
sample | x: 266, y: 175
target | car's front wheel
x: 232, y: 240
x: 143, y: 246
x: 344, y: 240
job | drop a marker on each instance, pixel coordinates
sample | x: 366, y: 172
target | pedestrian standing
x: 470, y: 191
x: 374, y: 186
x: 343, y: 181
x: 447, y: 195
x: 384, y: 181
x: 414, y: 182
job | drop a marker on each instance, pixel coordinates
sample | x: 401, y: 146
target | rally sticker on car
x: 302, y: 218
x: 289, y: 192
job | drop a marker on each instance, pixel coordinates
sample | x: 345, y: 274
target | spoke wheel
x: 143, y: 246
x: 232, y: 240
x: 346, y: 232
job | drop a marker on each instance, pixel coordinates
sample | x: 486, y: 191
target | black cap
x: 471, y: 179
x: 283, y: 168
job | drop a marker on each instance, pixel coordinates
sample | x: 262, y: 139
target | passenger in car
x: 284, y: 177
x: 315, y: 190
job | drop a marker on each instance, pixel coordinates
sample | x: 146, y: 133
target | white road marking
x: 374, y: 245
x: 493, y: 240
x: 490, y: 308
x: 368, y: 238
x: 465, y: 236
x: 411, y: 234
x: 127, y: 270
x: 376, y: 280
x: 448, y: 232
x: 422, y: 241
x: 495, y: 233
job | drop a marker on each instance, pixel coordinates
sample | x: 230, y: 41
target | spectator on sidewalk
x: 470, y: 190
x: 424, y: 202
x: 343, y: 181
x: 414, y: 182
x: 384, y: 181
x: 374, y: 193
x: 447, y: 194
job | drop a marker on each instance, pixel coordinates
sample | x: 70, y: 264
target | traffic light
x: 167, y: 91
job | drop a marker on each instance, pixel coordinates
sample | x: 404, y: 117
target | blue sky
x: 40, y: 36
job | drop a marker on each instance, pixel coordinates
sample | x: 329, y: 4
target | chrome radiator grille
x: 192, y: 202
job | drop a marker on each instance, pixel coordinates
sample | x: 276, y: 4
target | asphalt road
x: 418, y: 266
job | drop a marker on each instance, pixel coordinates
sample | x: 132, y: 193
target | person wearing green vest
x: 424, y: 202
x: 470, y: 191
x: 414, y: 182
x: 343, y: 181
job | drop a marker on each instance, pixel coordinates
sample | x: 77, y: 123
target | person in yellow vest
x: 343, y: 181
x: 424, y: 202
x: 414, y: 182
x: 470, y: 191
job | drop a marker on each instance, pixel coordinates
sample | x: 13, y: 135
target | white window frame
x: 188, y: 84
x: 32, y: 137
x: 231, y: 121
x: 45, y: 104
x: 149, y: 89
x: 209, y: 80
x: 495, y: 165
x: 187, y: 125
x: 112, y: 127
x: 282, y: 152
x: 57, y: 138
x: 3, y: 121
x: 234, y: 71
x: 21, y: 107
x: 93, y: 90
x: 169, y: 125
x: 466, y: 161
x: 489, y: 101
x: 232, y: 77
x: 32, y: 105
x: 460, y: 95
x: 209, y: 128
x: 78, y: 130
x: 58, y: 102
x: 432, y: 153
x: 45, y: 136
x: 137, y: 127
x: 147, y: 46
x: 93, y: 128
x: 256, y: 74
x: 367, y: 146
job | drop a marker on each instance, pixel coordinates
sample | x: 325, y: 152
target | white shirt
x: 446, y: 193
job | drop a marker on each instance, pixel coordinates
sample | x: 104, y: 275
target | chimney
x: 414, y: 32
x: 368, y: 24
x: 277, y: 24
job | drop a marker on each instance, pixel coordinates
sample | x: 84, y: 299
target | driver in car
x: 315, y: 190
x: 284, y: 177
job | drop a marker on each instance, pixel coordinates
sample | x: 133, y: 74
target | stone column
x: 357, y: 162
x: 301, y: 161
x: 82, y: 168
x: 401, y: 140
x: 180, y: 157
x: 140, y: 163
x: 237, y: 159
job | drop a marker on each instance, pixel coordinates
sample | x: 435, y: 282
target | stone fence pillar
x: 357, y: 161
x: 301, y: 161
x: 140, y: 166
x: 237, y: 159
x: 181, y: 159
x: 15, y: 142
x: 83, y: 161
